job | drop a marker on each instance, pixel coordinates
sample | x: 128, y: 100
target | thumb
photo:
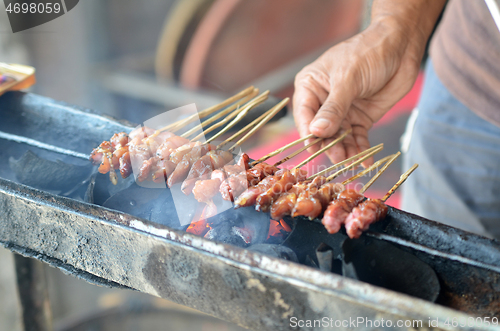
x: 332, y: 112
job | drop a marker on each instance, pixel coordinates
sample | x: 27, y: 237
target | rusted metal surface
x: 234, y: 284
x: 111, y: 248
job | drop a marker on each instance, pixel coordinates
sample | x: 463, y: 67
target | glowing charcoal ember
x: 199, y: 228
x: 278, y: 228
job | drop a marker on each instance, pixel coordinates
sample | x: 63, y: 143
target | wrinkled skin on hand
x: 353, y: 84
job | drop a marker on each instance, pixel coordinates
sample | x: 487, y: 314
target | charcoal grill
x: 116, y: 249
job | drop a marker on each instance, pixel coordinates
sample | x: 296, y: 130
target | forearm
x: 415, y: 18
x: 354, y: 83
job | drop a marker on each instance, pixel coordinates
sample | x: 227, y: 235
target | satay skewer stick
x: 223, y: 113
x: 297, y: 152
x: 400, y: 181
x: 281, y: 150
x: 352, y: 158
x: 181, y: 123
x: 255, y: 102
x: 221, y: 123
x: 379, y: 173
x: 245, y: 109
x: 330, y: 145
x: 247, y: 127
x: 266, y: 119
x: 355, y: 163
x: 367, y: 170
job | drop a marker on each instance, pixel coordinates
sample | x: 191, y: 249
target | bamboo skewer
x: 221, y: 114
x: 330, y: 145
x: 250, y: 125
x: 367, y: 170
x: 354, y: 164
x: 297, y: 152
x: 212, y: 109
x: 352, y: 158
x: 400, y: 181
x: 266, y: 119
x: 221, y: 123
x: 281, y: 150
x: 258, y: 100
x: 181, y: 123
x: 379, y: 173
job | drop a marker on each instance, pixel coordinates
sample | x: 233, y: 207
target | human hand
x: 353, y: 84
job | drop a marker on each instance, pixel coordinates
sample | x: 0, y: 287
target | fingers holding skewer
x: 355, y: 142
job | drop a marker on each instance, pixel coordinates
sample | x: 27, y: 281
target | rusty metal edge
x: 296, y: 275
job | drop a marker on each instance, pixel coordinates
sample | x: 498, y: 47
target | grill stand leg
x: 33, y: 294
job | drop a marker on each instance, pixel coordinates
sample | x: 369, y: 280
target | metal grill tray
x: 253, y: 290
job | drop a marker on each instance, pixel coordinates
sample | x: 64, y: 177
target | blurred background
x: 135, y: 59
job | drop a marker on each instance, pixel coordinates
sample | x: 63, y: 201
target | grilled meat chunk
x: 338, y: 210
x: 366, y: 213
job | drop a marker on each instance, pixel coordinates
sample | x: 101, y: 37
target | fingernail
x: 321, y: 123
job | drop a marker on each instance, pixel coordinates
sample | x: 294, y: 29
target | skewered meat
x: 366, y: 213
x: 259, y: 172
x: 237, y: 183
x: 161, y: 170
x: 286, y: 202
x: 284, y: 183
x: 338, y: 210
x: 233, y: 186
x: 177, y: 154
x: 125, y: 165
x: 139, y: 149
x: 204, y: 167
x: 183, y: 167
x: 205, y: 190
x: 172, y: 145
x: 249, y: 196
x: 313, y: 202
x: 227, y: 171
